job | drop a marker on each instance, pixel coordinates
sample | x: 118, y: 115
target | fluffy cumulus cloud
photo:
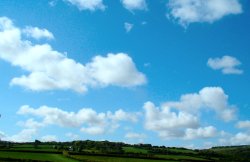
x: 30, y: 124
x: 181, y: 119
x: 91, y: 5
x: 227, y: 64
x: 191, y: 11
x: 115, y: 69
x: 128, y: 26
x: 88, y: 120
x: 167, y: 123
x: 38, y: 33
x: 240, y: 138
x: 134, y: 4
x: 206, y: 132
x: 25, y: 135
x: 48, y: 69
x: 213, y: 98
x: 122, y: 115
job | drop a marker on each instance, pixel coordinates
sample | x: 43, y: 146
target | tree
x: 36, y: 143
x: 77, y: 146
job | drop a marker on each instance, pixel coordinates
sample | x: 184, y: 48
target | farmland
x: 101, y: 151
x: 34, y: 156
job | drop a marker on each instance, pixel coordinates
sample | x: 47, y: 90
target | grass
x: 50, y: 156
x: 179, y: 150
x: 135, y: 150
x: 230, y: 148
x: 113, y: 159
x: 35, y: 156
x: 180, y: 157
x: 31, y: 147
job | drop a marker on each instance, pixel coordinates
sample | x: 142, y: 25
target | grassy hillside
x: 101, y: 151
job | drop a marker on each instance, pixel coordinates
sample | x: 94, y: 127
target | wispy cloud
x: 49, y: 138
x: 91, y: 5
x: 52, y: 3
x: 227, y: 64
x: 128, y: 26
x: 243, y: 124
x: 133, y: 135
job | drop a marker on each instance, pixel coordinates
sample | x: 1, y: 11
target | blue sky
x: 170, y: 72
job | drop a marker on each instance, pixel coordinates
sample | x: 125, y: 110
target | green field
x: 104, y: 151
x: 35, y: 156
x: 181, y: 157
x: 135, y: 150
x: 29, y: 147
x: 180, y: 150
x: 114, y: 159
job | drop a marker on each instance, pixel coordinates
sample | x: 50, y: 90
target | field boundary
x: 132, y: 156
x: 32, y: 151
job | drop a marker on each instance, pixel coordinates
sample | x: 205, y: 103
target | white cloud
x: 167, y: 123
x: 91, y: 5
x: 51, y: 70
x: 164, y: 118
x: 26, y: 135
x: 206, y: 132
x: 134, y: 4
x: 191, y: 11
x: 95, y: 130
x: 240, y: 138
x: 30, y: 124
x: 181, y: 119
x: 227, y: 64
x: 38, y: 33
x: 132, y: 135
x: 121, y: 115
x: 56, y: 116
x: 243, y: 124
x: 209, y: 97
x: 115, y: 69
x: 128, y: 27
x: 87, y: 119
x: 48, y: 138
x: 52, y: 3
x: 2, y: 135
x: 207, y: 145
x: 188, y: 102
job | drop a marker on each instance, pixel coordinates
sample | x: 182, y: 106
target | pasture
x: 104, y: 151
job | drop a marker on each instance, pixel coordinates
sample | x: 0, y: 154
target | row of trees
x: 96, y: 146
x: 5, y: 144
